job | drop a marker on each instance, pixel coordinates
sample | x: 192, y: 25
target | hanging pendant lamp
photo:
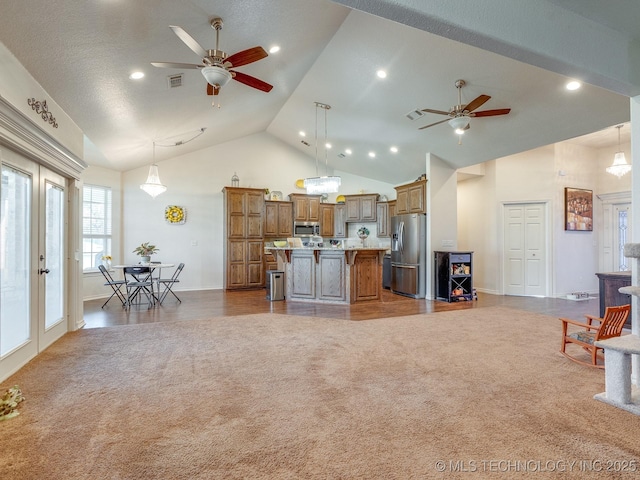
x: 327, y: 184
x: 153, y: 186
x: 619, y: 167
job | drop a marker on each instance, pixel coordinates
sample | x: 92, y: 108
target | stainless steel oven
x: 306, y: 229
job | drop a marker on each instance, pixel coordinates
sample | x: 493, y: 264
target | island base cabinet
x: 331, y: 274
x: 302, y: 276
x: 368, y: 277
x: 317, y: 277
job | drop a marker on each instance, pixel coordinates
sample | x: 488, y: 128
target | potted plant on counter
x: 145, y: 251
x: 363, y: 233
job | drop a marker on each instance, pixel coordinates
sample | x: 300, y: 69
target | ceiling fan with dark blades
x: 460, y: 115
x: 216, y: 66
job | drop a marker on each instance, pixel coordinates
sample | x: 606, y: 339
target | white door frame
x: 41, y: 335
x: 606, y: 252
x: 548, y: 263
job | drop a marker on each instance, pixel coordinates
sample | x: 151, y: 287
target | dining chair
x: 138, y: 282
x: 168, y: 283
x: 115, y: 285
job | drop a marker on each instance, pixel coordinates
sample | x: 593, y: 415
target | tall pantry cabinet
x: 243, y: 233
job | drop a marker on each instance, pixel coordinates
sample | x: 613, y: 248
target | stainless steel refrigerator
x: 409, y: 255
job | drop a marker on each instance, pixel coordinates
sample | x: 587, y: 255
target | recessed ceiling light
x: 381, y: 74
x: 327, y: 145
x: 372, y: 154
x: 274, y: 49
x: 302, y: 134
x: 393, y: 149
x: 573, y: 85
x: 136, y: 75
x: 348, y: 151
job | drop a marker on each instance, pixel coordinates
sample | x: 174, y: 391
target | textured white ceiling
x: 82, y: 52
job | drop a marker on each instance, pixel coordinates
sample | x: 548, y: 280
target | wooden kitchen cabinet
x: 244, y: 264
x: 327, y: 212
x: 361, y: 208
x: 411, y: 198
x: 243, y: 207
x: 243, y: 231
x: 306, y: 208
x: 270, y: 263
x: 340, y: 221
x: 278, y: 219
x: 367, y: 278
x: 383, y: 220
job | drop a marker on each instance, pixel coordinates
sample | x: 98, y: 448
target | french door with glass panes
x: 32, y: 260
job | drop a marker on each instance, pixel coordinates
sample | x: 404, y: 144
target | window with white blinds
x: 96, y: 225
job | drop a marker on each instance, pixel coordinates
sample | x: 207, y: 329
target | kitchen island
x: 331, y: 275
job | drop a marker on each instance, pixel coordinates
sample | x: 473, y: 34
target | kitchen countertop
x: 327, y: 248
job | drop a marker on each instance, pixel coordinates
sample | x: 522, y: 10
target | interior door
x: 525, y: 256
x: 32, y: 259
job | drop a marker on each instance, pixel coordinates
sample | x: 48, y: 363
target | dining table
x: 152, y: 267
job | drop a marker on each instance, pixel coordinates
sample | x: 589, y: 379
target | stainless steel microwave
x: 306, y: 229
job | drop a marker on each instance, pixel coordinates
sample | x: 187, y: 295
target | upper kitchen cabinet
x: 383, y: 220
x: 327, y: 220
x: 278, y: 219
x: 361, y: 208
x: 306, y: 208
x: 411, y: 198
x: 340, y: 221
x: 243, y: 207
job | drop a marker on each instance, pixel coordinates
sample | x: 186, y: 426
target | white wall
x: 478, y: 227
x: 93, y: 283
x: 575, y: 253
x: 442, y: 212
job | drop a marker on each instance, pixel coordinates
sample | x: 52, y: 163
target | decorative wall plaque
x: 42, y: 109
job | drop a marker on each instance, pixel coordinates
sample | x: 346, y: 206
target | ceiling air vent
x: 175, y: 80
x: 341, y: 155
x: 414, y: 114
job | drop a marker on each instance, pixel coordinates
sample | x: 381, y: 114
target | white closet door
x: 525, y: 255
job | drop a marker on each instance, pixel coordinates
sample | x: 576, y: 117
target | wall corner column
x: 635, y: 234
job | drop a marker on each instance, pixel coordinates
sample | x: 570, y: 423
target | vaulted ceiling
x: 82, y: 53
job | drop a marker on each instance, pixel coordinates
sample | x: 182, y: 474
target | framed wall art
x: 175, y: 214
x: 578, y: 209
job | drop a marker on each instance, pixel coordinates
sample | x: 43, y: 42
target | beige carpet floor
x: 480, y: 393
